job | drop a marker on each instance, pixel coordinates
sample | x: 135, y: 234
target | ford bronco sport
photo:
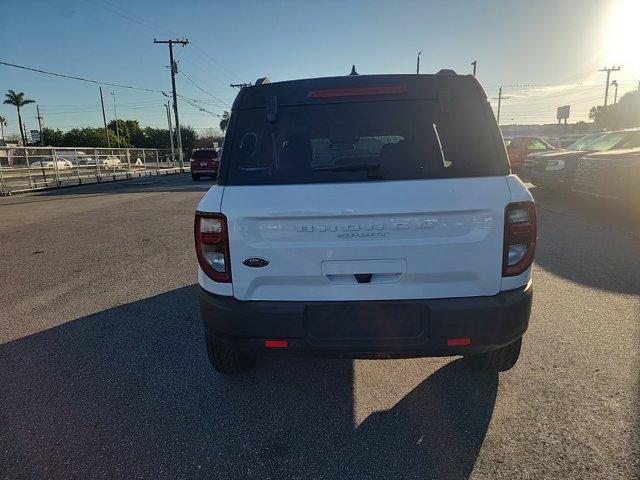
x: 370, y: 216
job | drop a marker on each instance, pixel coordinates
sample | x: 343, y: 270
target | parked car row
x: 601, y: 163
x: 66, y: 160
x: 612, y: 174
x: 518, y: 148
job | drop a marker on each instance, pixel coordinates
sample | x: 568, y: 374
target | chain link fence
x: 34, y: 168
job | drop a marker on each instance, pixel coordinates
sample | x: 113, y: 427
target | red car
x: 204, y: 162
x: 519, y: 147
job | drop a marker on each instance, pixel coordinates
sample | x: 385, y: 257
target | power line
x: 198, y: 106
x: 542, y: 96
x: 132, y: 17
x: 128, y: 15
x: 82, y: 79
x: 202, y: 89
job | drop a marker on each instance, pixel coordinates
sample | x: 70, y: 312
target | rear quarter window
x: 365, y: 141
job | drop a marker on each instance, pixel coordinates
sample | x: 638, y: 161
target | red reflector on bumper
x: 276, y: 343
x: 459, y: 342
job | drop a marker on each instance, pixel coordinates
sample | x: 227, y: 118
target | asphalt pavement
x: 103, y: 372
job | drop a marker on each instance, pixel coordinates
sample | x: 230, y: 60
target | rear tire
x: 226, y: 361
x: 195, y: 177
x: 499, y: 360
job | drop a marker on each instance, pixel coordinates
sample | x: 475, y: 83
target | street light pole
x: 173, y: 152
x: 39, y: 117
x: 418, y: 63
x: 115, y: 113
x: 474, y: 63
x: 104, y: 119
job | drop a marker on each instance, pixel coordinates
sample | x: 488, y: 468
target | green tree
x: 53, y: 138
x: 624, y: 114
x: 3, y: 123
x: 155, y: 138
x: 627, y: 110
x: 189, y: 137
x: 224, y: 122
x: 130, y: 132
x: 208, y: 138
x: 88, y: 137
x: 18, y: 101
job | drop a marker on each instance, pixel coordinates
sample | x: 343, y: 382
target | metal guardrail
x: 36, y: 168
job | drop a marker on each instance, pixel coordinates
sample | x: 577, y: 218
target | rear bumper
x: 372, y: 329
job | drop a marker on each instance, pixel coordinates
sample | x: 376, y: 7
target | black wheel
x: 224, y: 360
x: 499, y: 360
x: 195, y: 177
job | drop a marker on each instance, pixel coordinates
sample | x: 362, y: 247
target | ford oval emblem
x: 255, y: 262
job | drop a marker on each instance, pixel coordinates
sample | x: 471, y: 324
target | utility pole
x: 418, y: 63
x: 173, y: 152
x: 475, y: 64
x: 115, y: 114
x: 39, y: 117
x: 174, y: 70
x: 104, y: 119
x: 500, y: 98
x: 606, y: 88
x: 615, y: 94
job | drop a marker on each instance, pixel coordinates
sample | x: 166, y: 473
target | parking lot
x: 103, y: 372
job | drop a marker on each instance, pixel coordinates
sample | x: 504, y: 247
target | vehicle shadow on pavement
x: 128, y: 393
x: 589, y: 241
x: 155, y: 183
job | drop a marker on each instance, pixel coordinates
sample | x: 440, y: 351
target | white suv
x: 365, y: 217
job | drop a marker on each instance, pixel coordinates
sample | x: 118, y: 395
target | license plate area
x: 203, y: 164
x: 366, y: 323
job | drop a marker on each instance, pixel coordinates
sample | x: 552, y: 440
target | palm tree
x: 3, y: 123
x: 224, y: 123
x: 18, y: 100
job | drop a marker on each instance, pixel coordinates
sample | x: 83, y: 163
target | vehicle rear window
x: 204, y: 154
x: 364, y: 141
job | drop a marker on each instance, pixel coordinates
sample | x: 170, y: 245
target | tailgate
x: 415, y: 239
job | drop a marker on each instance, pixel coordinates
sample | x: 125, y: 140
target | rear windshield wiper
x: 350, y: 167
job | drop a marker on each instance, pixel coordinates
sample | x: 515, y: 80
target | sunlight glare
x: 623, y: 46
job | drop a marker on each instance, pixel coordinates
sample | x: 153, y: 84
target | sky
x: 544, y: 53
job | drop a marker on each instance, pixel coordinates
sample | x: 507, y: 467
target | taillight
x: 212, y: 246
x: 520, y: 234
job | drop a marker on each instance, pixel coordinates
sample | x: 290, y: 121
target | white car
x: 370, y: 216
x: 50, y: 163
x: 110, y: 161
x: 72, y: 157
